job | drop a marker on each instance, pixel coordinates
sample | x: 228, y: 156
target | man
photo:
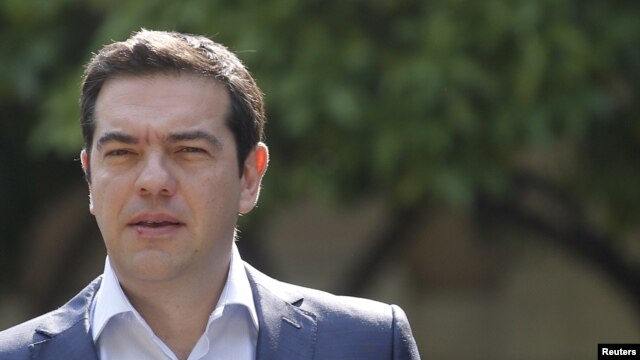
x: 172, y: 126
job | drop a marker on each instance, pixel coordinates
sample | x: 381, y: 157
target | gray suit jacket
x: 295, y: 323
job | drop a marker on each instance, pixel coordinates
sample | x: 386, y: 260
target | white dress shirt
x: 120, y: 333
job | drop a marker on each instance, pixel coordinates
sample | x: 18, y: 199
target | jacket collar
x: 286, y: 330
x: 65, y: 333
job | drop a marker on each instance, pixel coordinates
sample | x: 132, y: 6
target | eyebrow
x: 115, y: 136
x: 195, y: 135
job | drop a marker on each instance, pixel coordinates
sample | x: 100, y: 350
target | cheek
x: 213, y: 195
x: 108, y: 194
x: 202, y: 195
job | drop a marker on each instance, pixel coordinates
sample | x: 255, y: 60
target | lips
x: 155, y: 224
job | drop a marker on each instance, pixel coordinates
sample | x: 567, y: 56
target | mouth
x: 155, y: 225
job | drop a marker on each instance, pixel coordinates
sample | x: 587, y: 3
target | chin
x: 153, y: 265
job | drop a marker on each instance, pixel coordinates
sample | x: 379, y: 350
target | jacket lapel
x: 65, y: 334
x: 286, y: 331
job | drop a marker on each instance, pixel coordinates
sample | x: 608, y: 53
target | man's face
x: 165, y: 188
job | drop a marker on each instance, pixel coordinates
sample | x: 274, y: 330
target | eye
x: 118, y: 152
x: 192, y: 153
x: 189, y: 149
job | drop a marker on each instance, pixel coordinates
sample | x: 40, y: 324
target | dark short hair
x: 160, y: 52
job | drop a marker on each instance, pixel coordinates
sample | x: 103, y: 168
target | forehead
x: 161, y: 101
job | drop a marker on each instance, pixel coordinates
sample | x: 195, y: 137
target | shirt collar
x: 237, y: 289
x: 110, y: 300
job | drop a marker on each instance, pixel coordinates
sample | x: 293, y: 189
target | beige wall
x: 466, y: 297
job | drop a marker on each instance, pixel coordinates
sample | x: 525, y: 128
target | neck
x: 178, y: 310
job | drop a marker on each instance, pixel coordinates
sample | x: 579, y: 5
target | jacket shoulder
x: 328, y: 306
x: 348, y: 325
x: 344, y: 321
x: 15, y: 341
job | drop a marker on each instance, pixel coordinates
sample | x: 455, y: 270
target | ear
x: 84, y: 160
x: 254, y: 168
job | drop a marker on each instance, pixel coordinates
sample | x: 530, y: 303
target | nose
x: 155, y: 178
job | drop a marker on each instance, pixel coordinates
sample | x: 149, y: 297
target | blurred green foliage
x: 415, y: 100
